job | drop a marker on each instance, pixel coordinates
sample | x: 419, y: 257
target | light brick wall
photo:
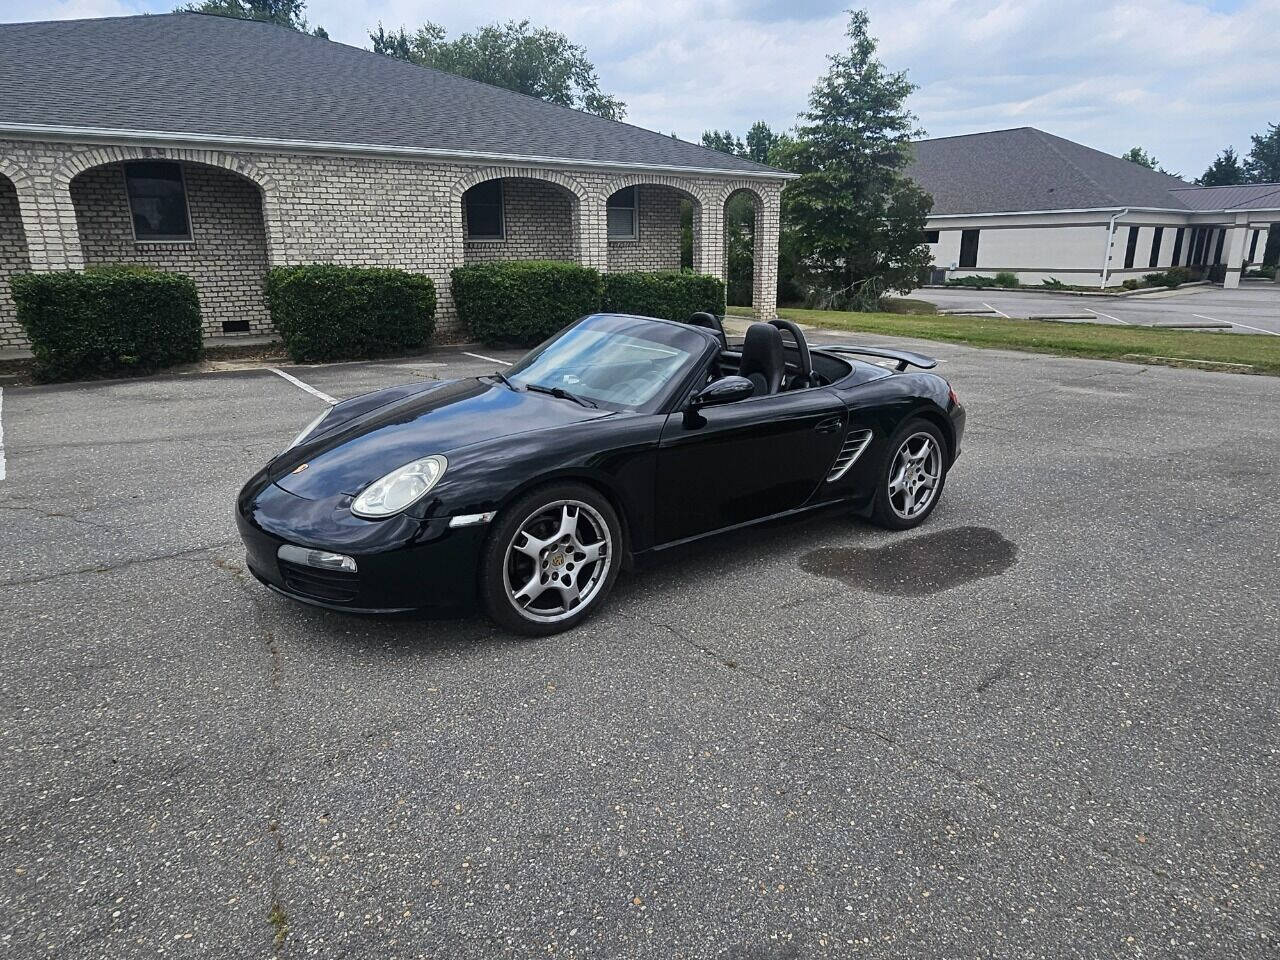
x: 657, y: 246
x: 227, y: 256
x: 13, y: 259
x: 538, y: 222
x: 360, y: 211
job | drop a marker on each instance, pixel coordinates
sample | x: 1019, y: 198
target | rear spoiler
x: 905, y: 358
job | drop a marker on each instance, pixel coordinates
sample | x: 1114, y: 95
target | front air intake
x: 856, y: 442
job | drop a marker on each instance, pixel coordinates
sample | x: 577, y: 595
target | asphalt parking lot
x: 1045, y: 724
x: 1253, y: 307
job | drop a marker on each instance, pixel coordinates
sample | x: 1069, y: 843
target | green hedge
x: 107, y: 320
x: 326, y: 312
x: 670, y: 296
x: 523, y: 301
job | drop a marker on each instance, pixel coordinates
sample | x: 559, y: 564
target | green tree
x: 761, y: 142
x: 1224, y: 171
x: 852, y: 222
x: 1141, y: 158
x: 287, y: 13
x: 1263, y: 163
x: 724, y: 141
x: 539, y: 62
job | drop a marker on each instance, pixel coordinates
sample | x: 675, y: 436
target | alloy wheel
x: 557, y: 561
x: 914, y: 476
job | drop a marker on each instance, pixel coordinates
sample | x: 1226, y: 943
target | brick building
x: 244, y: 145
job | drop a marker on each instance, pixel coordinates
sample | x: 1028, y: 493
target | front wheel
x: 913, y: 476
x: 551, y: 559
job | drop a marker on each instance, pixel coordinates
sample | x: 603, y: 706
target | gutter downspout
x: 1106, y: 253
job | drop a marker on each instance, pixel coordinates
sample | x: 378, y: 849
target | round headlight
x: 400, y: 488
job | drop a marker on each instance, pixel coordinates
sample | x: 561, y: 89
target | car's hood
x: 453, y: 414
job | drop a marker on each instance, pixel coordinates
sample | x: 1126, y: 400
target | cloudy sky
x: 1181, y: 78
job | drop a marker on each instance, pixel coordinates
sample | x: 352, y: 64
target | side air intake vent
x: 854, y: 444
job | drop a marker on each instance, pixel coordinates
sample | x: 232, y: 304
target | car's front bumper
x: 402, y: 563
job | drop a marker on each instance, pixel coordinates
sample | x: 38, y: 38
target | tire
x: 897, y: 504
x: 537, y: 572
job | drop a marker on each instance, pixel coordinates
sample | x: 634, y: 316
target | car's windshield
x: 610, y: 361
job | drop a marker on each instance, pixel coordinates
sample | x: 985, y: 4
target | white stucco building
x: 1043, y: 207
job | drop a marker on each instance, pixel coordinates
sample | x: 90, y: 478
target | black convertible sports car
x: 619, y: 437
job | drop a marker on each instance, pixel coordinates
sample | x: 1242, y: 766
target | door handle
x: 829, y: 425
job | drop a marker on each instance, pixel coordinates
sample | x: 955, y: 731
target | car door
x: 739, y: 462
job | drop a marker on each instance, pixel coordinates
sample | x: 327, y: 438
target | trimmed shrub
x: 326, y: 312
x: 971, y: 281
x: 1133, y: 283
x: 1006, y: 278
x: 1170, y: 278
x: 523, y: 301
x: 667, y: 295
x: 108, y: 321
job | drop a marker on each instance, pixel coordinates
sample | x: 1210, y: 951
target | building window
x: 621, y: 213
x: 968, y: 249
x: 157, y: 201
x: 1197, y: 246
x: 1155, y: 246
x: 1217, y: 251
x: 931, y: 236
x: 483, y: 205
x: 1253, y: 246
x: 1131, y: 247
x: 1177, y: 248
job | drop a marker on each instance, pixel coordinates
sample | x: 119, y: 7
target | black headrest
x: 710, y: 322
x: 762, y: 353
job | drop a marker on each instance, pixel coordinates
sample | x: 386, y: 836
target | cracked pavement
x: 1053, y: 735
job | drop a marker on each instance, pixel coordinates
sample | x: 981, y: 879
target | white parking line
x: 304, y: 386
x: 1234, y: 324
x: 1, y: 434
x: 1099, y: 313
x: 994, y: 310
x: 480, y: 356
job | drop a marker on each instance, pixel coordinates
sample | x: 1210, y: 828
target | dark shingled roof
x: 1028, y: 169
x: 217, y: 77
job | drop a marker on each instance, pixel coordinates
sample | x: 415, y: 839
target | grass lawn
x: 1101, y: 341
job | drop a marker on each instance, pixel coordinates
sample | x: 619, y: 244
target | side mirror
x: 724, y: 390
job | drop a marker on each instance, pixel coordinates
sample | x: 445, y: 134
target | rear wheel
x: 551, y: 559
x: 913, y: 476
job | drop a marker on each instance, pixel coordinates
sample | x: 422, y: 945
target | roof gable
x: 1028, y: 169
x: 216, y: 77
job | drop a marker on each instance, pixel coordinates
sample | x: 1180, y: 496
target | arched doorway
x: 742, y: 245
x: 519, y: 218
x: 652, y: 226
x: 178, y: 215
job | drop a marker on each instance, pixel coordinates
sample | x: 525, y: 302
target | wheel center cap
x: 557, y: 559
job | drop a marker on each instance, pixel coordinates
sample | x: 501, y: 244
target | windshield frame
x: 690, y: 338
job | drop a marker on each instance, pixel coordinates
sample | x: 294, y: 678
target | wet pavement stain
x: 919, y: 566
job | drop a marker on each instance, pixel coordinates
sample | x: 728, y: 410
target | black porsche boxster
x: 528, y: 490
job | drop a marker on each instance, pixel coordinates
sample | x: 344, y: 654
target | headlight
x: 399, y: 488
x: 307, y: 430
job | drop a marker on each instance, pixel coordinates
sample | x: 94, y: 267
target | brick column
x: 593, y: 232
x: 708, y: 250
x: 49, y: 221
x: 764, y: 292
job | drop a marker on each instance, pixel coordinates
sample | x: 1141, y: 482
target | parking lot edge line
x: 994, y: 310
x: 1234, y: 324
x: 304, y: 386
x: 480, y: 356
x: 1099, y: 313
x: 2, y: 473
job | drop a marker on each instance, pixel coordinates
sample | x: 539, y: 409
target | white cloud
x: 1179, y: 77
